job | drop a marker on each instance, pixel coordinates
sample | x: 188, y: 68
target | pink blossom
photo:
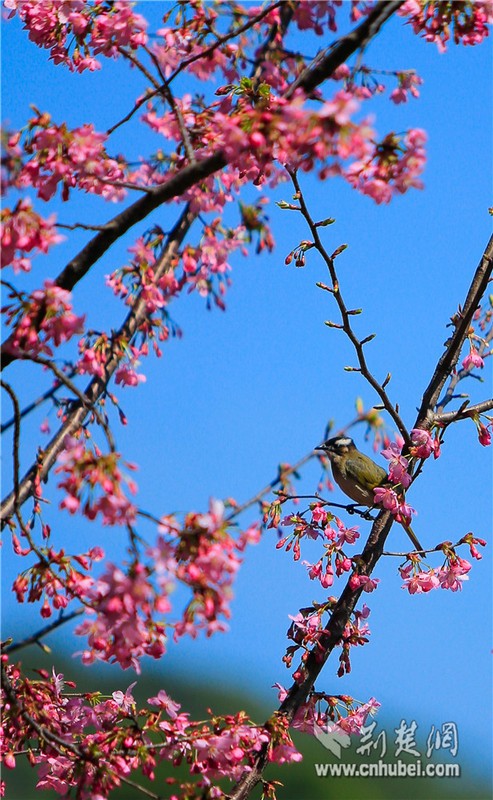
x: 125, y: 701
x: 398, y: 466
x: 24, y: 231
x: 346, y: 535
x: 58, y: 24
x: 285, y: 754
x: 422, y: 582
x: 423, y: 444
x: 122, y: 629
x: 386, y: 497
x: 58, y: 324
x: 437, y: 21
x: 127, y: 376
x: 408, y: 82
x: 165, y: 702
x: 91, y: 362
x: 356, y: 719
x: 319, y: 515
x: 484, y: 435
x: 343, y: 564
x: 96, y: 479
x: 363, y: 581
x: 473, y: 359
x: 451, y: 577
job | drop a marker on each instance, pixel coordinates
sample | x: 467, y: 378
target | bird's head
x: 337, y: 446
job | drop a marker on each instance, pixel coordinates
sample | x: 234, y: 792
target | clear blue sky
x: 249, y: 388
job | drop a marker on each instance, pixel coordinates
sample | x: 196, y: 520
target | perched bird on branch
x: 358, y: 475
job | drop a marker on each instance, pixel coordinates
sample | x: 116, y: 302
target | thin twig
x: 41, y: 399
x: 35, y: 638
x: 16, y: 440
x: 346, y: 314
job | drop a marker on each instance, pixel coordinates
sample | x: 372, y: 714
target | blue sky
x: 254, y: 386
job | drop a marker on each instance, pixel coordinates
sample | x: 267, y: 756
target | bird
x: 358, y: 475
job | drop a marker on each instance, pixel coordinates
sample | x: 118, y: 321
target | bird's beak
x: 320, y: 447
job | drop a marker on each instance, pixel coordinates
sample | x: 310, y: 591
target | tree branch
x: 449, y: 358
x: 463, y: 413
x: 328, y: 641
x: 346, y: 314
x: 374, y: 547
x: 36, y: 637
x: 324, y: 65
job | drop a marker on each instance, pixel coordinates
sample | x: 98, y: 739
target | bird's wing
x: 355, y: 469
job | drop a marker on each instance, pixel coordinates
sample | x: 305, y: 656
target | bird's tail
x: 414, y: 539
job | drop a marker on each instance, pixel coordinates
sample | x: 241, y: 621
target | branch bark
x: 450, y: 356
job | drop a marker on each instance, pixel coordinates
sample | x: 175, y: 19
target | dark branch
x: 324, y: 65
x: 449, y: 358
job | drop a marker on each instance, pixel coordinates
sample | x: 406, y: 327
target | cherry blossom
x: 24, y: 231
x: 436, y: 20
x: 473, y: 359
x: 423, y: 445
x: 93, y: 484
x: 58, y: 323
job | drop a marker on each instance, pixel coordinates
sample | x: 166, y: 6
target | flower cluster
x: 259, y: 138
x: 45, y: 316
x: 435, y: 20
x: 318, y: 15
x: 93, y: 483
x: 392, y: 499
x: 75, y: 32
x: 334, y: 535
x: 58, y: 156
x: 364, y: 82
x: 408, y: 81
x: 24, y: 231
x: 323, y: 714
x: 91, y: 742
x: 94, y: 352
x: 394, y: 167
x: 478, y: 337
x: 308, y: 628
x: 203, y: 268
x: 56, y: 577
x: 126, y: 605
x: 121, y: 626
x: 450, y: 575
x: 206, y: 560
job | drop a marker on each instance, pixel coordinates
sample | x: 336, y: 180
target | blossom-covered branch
x: 98, y: 384
x: 208, y: 164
